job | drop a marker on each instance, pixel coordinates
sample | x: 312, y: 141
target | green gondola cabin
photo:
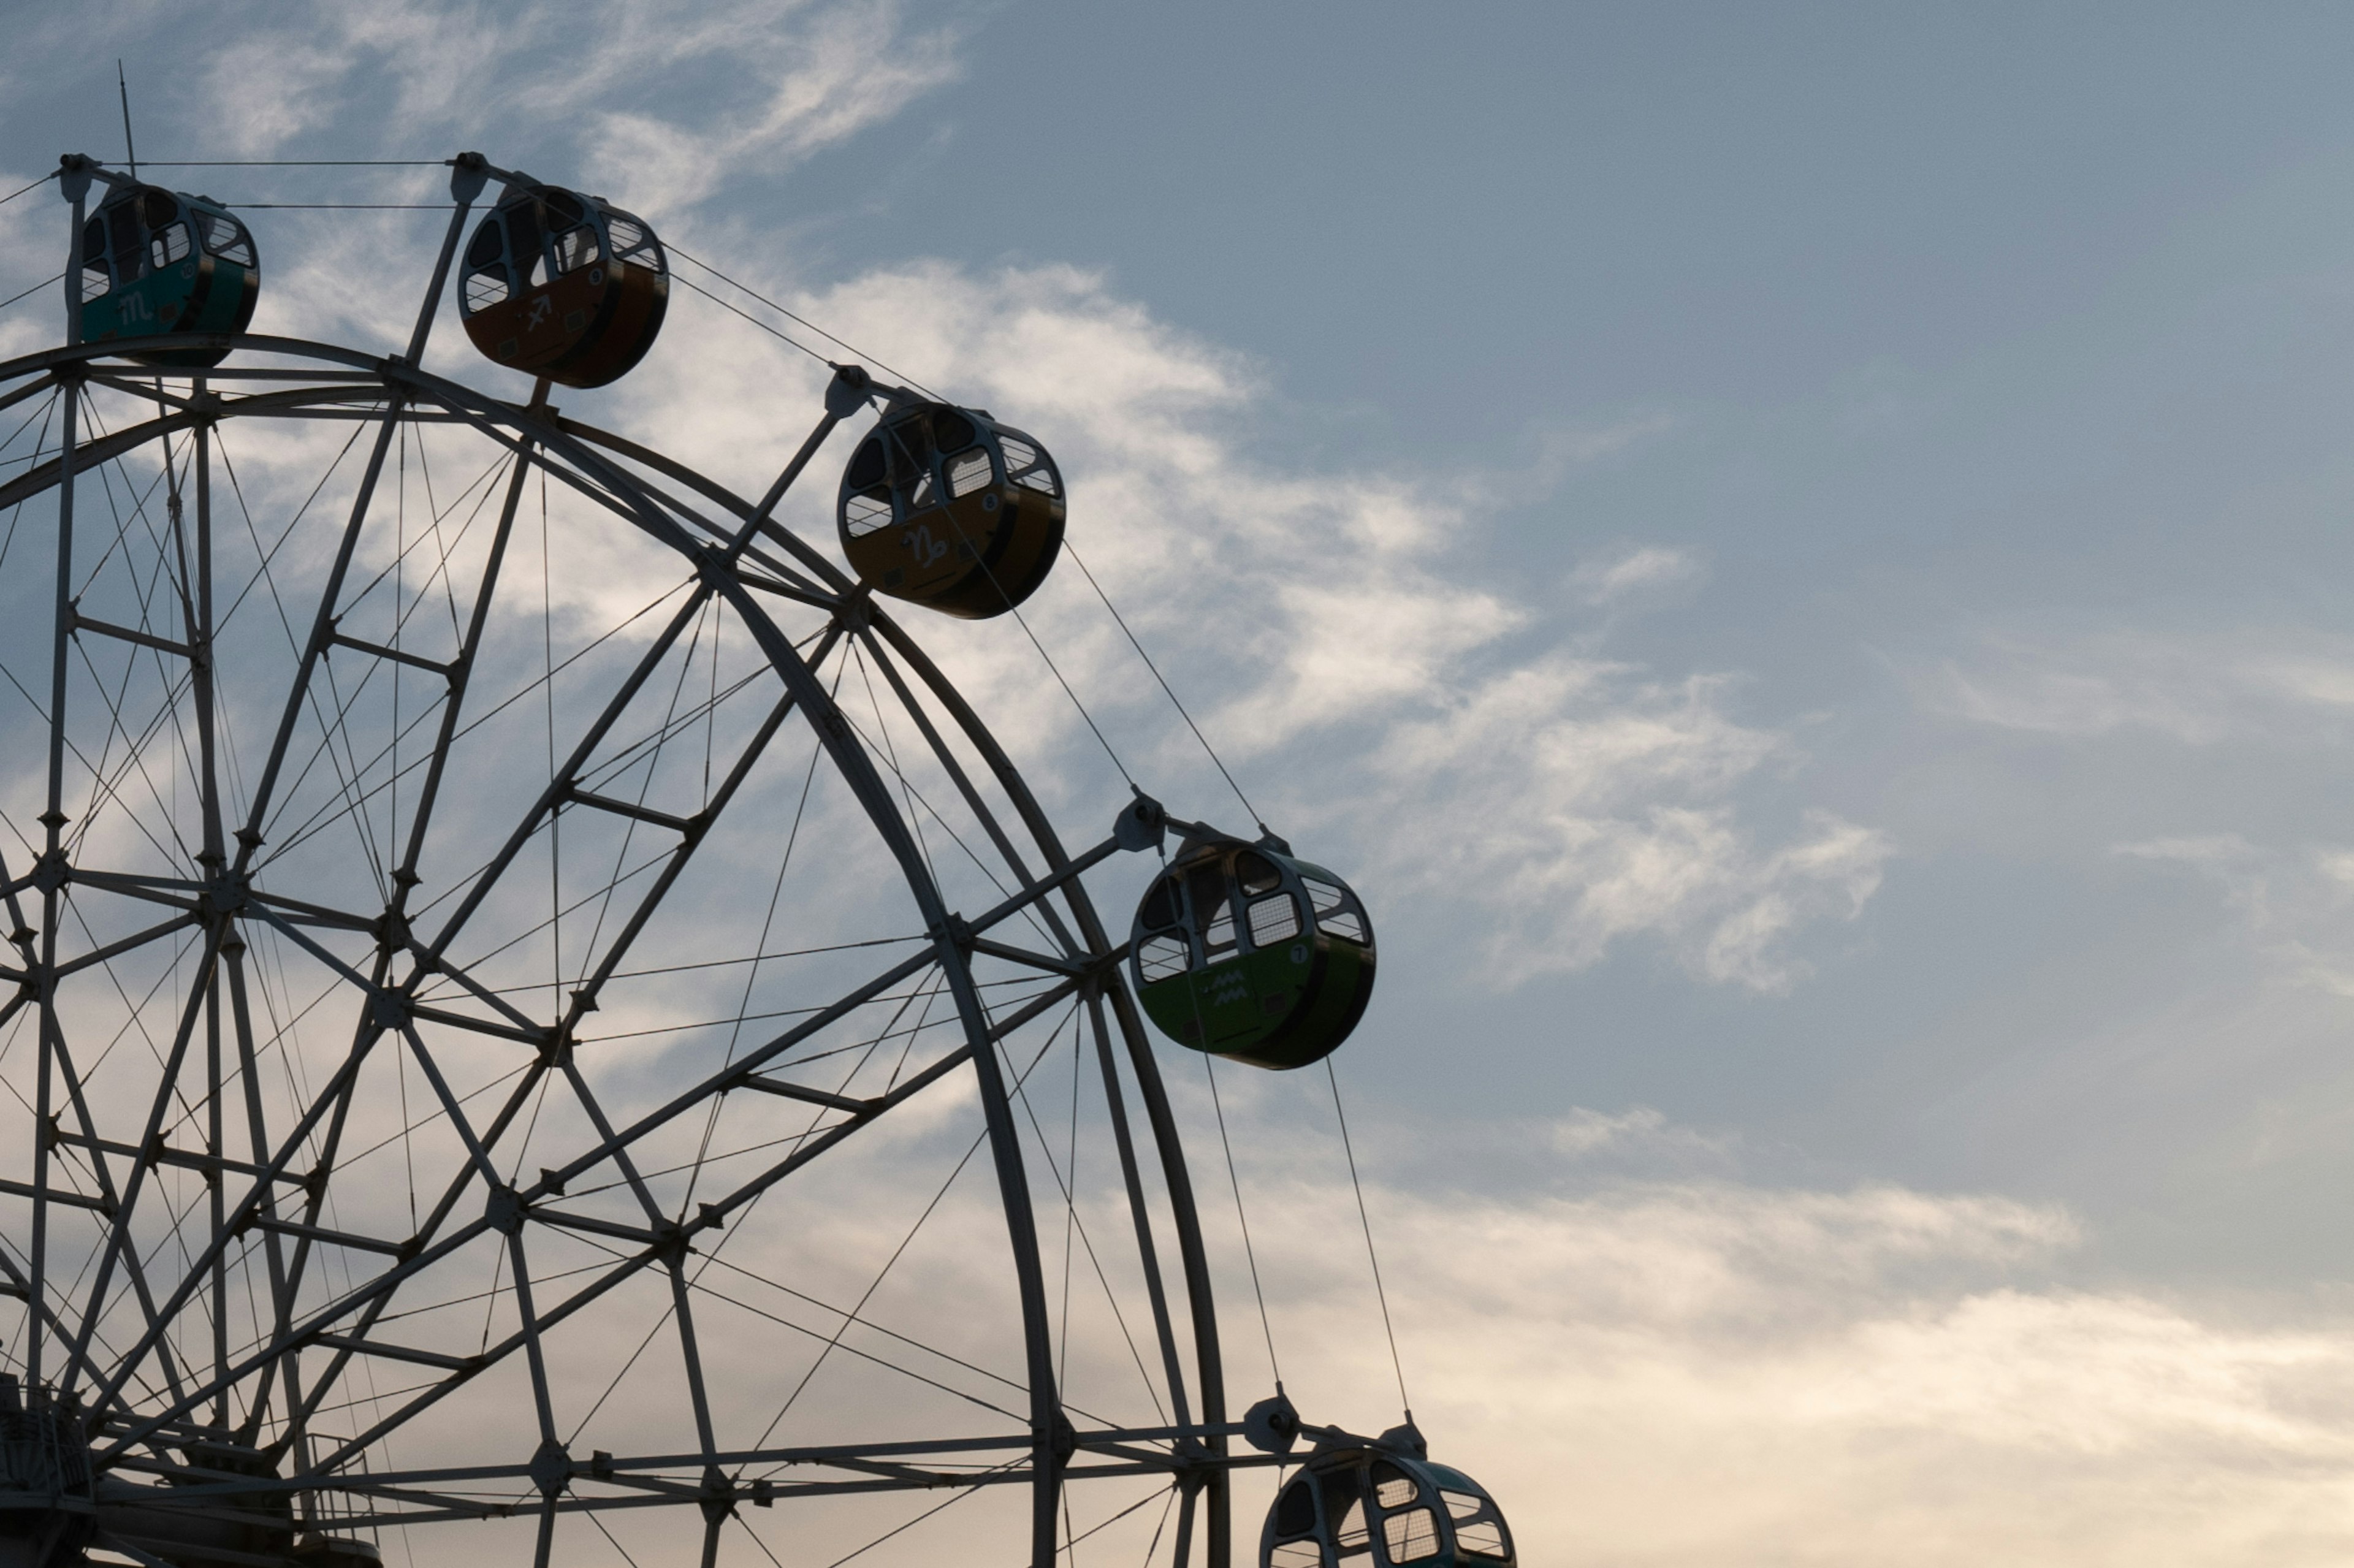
x: 1382, y: 1505
x: 1241, y: 951
x: 946, y: 508
x: 160, y: 263
x: 563, y: 285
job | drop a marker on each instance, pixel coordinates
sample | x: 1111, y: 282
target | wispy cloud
x: 1331, y: 641
x: 1705, y: 1371
x: 750, y: 83
x: 1591, y: 804
x: 2196, y: 688
x: 2295, y: 906
x: 1611, y: 578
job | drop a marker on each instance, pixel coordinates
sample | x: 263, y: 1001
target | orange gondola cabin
x: 946, y: 508
x: 563, y: 285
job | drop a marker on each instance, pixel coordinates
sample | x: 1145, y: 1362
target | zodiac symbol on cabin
x: 922, y: 546
x: 540, y: 309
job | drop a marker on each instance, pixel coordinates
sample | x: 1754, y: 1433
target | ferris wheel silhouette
x: 514, y: 947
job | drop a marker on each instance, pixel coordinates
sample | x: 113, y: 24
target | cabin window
x: 1218, y: 935
x: 1257, y: 873
x: 633, y: 241
x: 95, y: 277
x: 924, y: 491
x: 1025, y: 464
x: 1213, y: 917
x: 526, y: 244
x: 486, y: 286
x: 1160, y: 903
x: 157, y: 209
x: 1485, y: 1539
x: 969, y: 471
x: 487, y: 280
x: 953, y: 430
x: 1297, y: 1554
x: 868, y: 507
x: 865, y: 512
x: 1352, y: 1536
x: 1345, y: 924
x: 879, y: 459
x: 866, y: 465
x: 1336, y: 912
x: 167, y: 245
x: 1163, y: 956
x: 1273, y: 919
x: 575, y: 248
x: 1460, y: 1505
x: 911, y: 443
x: 1393, y: 1487
x: 1411, y: 1536
x: 123, y: 236
x: 226, y: 237
x: 1295, y: 1512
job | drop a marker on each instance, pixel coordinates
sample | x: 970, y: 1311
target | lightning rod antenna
x: 122, y: 84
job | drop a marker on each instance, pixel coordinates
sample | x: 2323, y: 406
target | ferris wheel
x: 544, y: 1026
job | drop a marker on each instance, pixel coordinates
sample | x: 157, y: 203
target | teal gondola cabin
x: 158, y: 263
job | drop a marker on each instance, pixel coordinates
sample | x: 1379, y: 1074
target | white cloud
x: 1591, y: 805
x: 1700, y: 1373
x: 1325, y: 636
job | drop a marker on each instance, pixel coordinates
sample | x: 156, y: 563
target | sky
x: 1793, y: 554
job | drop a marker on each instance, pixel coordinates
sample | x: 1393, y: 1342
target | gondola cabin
x: 155, y: 262
x: 944, y: 508
x: 1373, y: 1507
x: 563, y: 285
x: 1241, y: 951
